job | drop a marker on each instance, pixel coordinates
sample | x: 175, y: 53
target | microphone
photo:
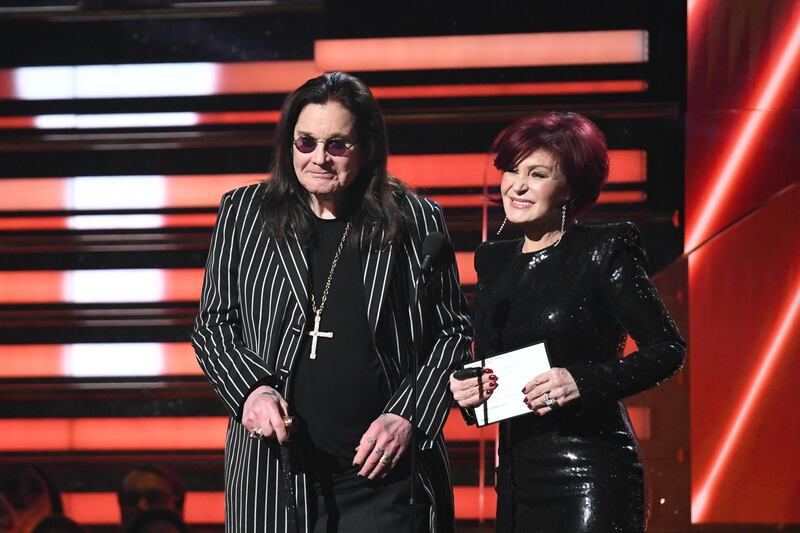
x: 437, y: 253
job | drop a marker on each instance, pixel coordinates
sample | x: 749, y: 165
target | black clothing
x: 252, y: 327
x: 341, y: 501
x: 341, y: 392
x: 575, y: 469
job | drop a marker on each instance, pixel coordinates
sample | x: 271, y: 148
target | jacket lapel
x: 376, y: 266
x: 294, y: 259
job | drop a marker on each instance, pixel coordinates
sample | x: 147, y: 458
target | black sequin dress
x: 577, y: 469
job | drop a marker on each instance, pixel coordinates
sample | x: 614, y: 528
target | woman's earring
x: 563, y: 217
x: 503, y: 225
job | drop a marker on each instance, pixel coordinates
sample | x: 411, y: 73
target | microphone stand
x: 413, y: 371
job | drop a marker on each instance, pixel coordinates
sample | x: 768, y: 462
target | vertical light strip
x: 789, y: 318
x: 777, y: 78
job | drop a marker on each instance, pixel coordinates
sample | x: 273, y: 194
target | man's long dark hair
x: 370, y: 201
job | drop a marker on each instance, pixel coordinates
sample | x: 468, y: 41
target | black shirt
x: 341, y: 392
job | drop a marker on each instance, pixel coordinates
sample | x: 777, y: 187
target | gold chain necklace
x: 315, y: 333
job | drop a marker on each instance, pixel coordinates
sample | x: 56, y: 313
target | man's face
x: 142, y: 491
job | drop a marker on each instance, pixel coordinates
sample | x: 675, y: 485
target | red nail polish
x: 487, y: 370
x: 489, y: 392
x: 493, y: 377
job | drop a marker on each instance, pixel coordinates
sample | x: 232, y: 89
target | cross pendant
x: 315, y: 334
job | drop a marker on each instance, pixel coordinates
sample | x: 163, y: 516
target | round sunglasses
x: 306, y: 144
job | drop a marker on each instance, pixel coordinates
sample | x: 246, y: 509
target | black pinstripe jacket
x: 253, y: 313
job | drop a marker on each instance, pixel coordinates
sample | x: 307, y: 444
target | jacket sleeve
x: 233, y: 369
x: 630, y: 296
x: 451, y: 330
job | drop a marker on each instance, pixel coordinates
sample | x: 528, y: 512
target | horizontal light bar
x: 118, y: 192
x: 98, y: 222
x: 176, y: 119
x: 204, y: 190
x: 126, y: 285
x: 106, y: 434
x: 100, y: 286
x: 137, y: 120
x: 198, y: 79
x: 97, y: 360
x: 510, y: 89
x: 83, y: 222
x: 98, y: 508
x: 184, y: 433
x: 482, y: 51
x: 153, y: 80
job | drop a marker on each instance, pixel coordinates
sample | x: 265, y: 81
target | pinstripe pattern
x: 253, y: 312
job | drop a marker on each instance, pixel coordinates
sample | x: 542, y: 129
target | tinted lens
x: 305, y: 144
x: 336, y: 147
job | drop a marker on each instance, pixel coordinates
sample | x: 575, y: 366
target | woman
x: 572, y: 464
x: 306, y: 312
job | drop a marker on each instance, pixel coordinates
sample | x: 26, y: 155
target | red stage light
x: 789, y: 318
x: 778, y: 76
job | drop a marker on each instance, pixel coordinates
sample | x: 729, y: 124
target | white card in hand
x: 514, y: 370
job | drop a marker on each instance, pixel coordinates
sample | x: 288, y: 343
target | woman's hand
x: 557, y: 384
x: 382, y: 445
x: 472, y: 392
x: 264, y: 414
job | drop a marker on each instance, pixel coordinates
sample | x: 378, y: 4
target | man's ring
x: 385, y: 460
x: 287, y: 422
x: 256, y: 434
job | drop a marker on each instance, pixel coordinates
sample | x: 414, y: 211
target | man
x: 149, y: 487
x: 307, y: 312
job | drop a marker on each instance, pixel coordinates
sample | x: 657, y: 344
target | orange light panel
x: 189, y: 220
x: 510, y: 89
x: 158, y: 433
x: 96, y: 359
x: 204, y: 190
x: 127, y: 285
x: 263, y: 76
x: 137, y: 120
x: 106, y: 434
x: 129, y: 192
x: 98, y: 286
x: 98, y: 508
x: 482, y: 51
x: 184, y: 433
x: 474, y: 503
x: 154, y: 79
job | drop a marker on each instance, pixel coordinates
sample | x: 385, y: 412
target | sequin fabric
x: 577, y: 469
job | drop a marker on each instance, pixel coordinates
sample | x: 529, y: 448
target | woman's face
x: 323, y: 175
x: 535, y: 191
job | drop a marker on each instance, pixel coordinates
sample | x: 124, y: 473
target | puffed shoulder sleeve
x: 233, y: 369
x: 629, y: 295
